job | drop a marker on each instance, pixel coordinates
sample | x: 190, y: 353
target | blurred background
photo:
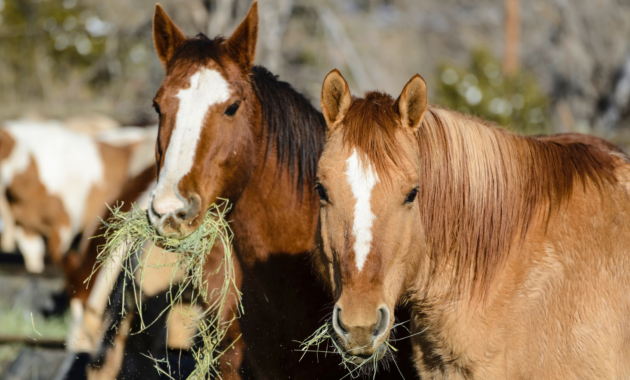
x: 536, y: 66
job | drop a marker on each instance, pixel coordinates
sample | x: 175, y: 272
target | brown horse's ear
x: 412, y: 103
x: 242, y: 44
x: 336, y: 98
x: 166, y: 35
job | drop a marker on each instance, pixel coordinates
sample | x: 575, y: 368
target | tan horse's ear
x: 336, y: 98
x: 166, y: 35
x: 413, y: 103
x: 242, y: 44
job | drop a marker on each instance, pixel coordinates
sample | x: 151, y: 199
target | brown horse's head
x: 206, y: 106
x: 367, y: 182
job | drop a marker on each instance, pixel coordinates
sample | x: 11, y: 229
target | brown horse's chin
x: 360, y: 359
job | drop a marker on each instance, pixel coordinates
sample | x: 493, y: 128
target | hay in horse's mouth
x: 357, y: 366
x: 127, y: 234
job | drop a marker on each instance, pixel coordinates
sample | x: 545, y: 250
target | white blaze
x: 362, y: 179
x: 207, y: 87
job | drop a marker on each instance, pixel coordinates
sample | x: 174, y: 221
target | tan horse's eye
x: 321, y: 191
x: 411, y: 196
x: 231, y: 110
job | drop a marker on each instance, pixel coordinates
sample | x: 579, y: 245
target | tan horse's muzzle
x: 363, y: 336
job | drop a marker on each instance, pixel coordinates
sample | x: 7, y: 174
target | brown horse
x: 511, y: 251
x: 230, y: 129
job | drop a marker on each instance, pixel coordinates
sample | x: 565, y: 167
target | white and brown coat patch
x: 56, y: 182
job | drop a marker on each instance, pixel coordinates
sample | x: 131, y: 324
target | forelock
x: 197, y: 51
x: 370, y: 127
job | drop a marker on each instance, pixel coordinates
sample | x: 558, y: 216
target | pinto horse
x: 232, y: 130
x: 512, y: 252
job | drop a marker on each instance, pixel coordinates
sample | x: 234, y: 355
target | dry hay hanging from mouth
x: 129, y: 233
x: 324, y: 341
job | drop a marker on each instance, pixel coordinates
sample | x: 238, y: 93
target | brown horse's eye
x: 411, y: 196
x: 231, y: 110
x: 321, y: 192
x: 156, y: 107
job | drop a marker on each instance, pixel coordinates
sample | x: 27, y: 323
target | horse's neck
x: 271, y: 216
x: 573, y: 179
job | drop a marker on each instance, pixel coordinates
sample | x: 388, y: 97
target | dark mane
x: 481, y: 187
x: 295, y: 128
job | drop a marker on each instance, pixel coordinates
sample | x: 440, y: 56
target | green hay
x: 131, y: 230
x: 324, y: 341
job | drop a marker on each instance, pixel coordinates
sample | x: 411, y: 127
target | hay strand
x: 130, y: 235
x: 324, y: 341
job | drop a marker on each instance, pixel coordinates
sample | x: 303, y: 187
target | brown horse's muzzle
x: 364, y: 336
x: 176, y: 219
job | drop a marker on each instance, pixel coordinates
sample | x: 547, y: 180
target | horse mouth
x: 170, y: 228
x: 377, y: 355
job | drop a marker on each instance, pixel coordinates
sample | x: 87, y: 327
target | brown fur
x: 513, y: 256
x: 169, y: 36
x: 6, y: 144
x: 37, y: 211
x: 7, y: 238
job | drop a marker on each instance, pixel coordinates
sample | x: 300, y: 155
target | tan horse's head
x: 367, y: 182
x: 206, y: 108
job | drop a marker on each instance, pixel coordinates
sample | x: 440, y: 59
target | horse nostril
x: 383, y: 321
x: 337, y: 321
x: 182, y: 214
x: 157, y: 214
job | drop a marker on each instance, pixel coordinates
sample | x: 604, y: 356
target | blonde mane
x: 480, y: 186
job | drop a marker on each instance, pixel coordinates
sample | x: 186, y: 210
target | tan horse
x: 511, y: 251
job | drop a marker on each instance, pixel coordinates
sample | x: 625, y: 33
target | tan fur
x: 181, y: 328
x: 412, y: 104
x: 584, y: 139
x: 336, y: 97
x: 114, y: 357
x: 7, y: 238
x: 158, y: 271
x: 514, y: 255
